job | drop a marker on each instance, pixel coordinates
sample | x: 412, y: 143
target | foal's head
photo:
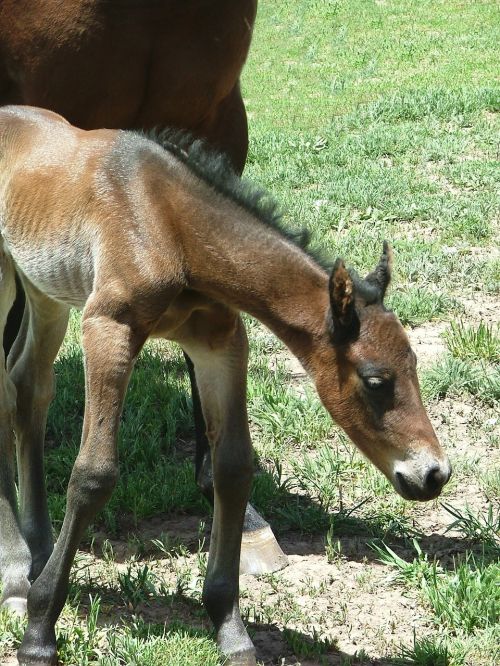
x: 374, y: 392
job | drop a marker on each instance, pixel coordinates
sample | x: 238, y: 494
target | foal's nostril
x: 436, y: 477
x: 412, y: 486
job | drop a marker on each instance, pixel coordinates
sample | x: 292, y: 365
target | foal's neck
x: 245, y: 263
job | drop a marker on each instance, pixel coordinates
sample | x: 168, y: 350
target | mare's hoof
x: 261, y: 554
x: 246, y: 658
x: 17, y: 605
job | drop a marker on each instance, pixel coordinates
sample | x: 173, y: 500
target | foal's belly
x: 64, y: 271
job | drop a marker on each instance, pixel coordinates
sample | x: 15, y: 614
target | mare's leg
x: 110, y: 348
x: 202, y: 460
x: 15, y: 558
x: 220, y: 367
x: 227, y: 128
x: 30, y: 366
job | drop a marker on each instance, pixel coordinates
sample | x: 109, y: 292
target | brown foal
x: 130, y: 64
x: 164, y: 243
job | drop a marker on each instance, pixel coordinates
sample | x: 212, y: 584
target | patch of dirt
x: 482, y: 307
x: 427, y: 342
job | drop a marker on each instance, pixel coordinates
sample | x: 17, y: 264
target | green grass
x: 453, y: 377
x: 427, y: 652
x: 484, y: 528
x: 473, y: 343
x: 467, y: 598
x: 414, y: 573
x: 472, y: 365
x: 368, y: 121
x: 416, y: 306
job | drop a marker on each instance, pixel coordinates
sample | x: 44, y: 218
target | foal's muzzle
x: 415, y: 481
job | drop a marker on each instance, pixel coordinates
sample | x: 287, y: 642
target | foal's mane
x: 216, y: 170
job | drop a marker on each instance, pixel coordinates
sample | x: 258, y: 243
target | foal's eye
x: 373, y: 383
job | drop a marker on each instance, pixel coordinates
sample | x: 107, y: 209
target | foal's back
x: 75, y: 207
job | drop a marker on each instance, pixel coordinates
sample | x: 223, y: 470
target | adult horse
x: 133, y: 64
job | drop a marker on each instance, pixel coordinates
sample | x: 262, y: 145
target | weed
x: 79, y: 644
x: 484, y: 529
x: 427, y: 652
x: 308, y: 647
x: 452, y: 376
x: 136, y: 585
x: 473, y: 343
x: 467, y: 598
x: 333, y: 547
x: 490, y: 480
x: 412, y: 573
x: 416, y: 306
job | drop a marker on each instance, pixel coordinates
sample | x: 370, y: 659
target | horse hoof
x: 38, y: 648
x: 246, y: 658
x: 261, y: 553
x: 38, y: 658
x: 16, y: 605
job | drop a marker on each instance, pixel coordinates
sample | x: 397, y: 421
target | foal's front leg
x: 221, y: 378
x: 110, y: 348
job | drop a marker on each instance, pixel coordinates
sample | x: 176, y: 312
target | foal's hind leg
x: 31, y: 369
x: 110, y: 348
x: 15, y: 558
x: 220, y: 366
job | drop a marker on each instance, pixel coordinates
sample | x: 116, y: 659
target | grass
x: 417, y: 306
x: 466, y: 599
x: 484, y: 528
x: 368, y: 120
x: 473, y: 343
x: 471, y: 366
x: 454, y: 377
x: 426, y: 652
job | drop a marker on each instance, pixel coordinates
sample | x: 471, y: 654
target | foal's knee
x: 91, y: 485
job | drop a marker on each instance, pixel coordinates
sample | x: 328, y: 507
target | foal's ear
x: 341, y: 301
x: 381, y: 276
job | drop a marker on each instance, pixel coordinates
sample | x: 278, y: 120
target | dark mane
x: 216, y: 170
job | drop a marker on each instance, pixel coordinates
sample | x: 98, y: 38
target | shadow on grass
x: 157, y: 477
x: 156, y: 450
x: 177, y: 612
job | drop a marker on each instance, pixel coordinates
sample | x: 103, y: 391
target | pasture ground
x: 369, y: 120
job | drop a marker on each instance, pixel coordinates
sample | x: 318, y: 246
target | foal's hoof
x: 34, y: 651
x: 261, y: 553
x: 16, y: 605
x: 36, y: 660
x: 40, y: 658
x: 246, y: 658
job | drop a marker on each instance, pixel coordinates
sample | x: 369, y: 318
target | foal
x: 148, y: 242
